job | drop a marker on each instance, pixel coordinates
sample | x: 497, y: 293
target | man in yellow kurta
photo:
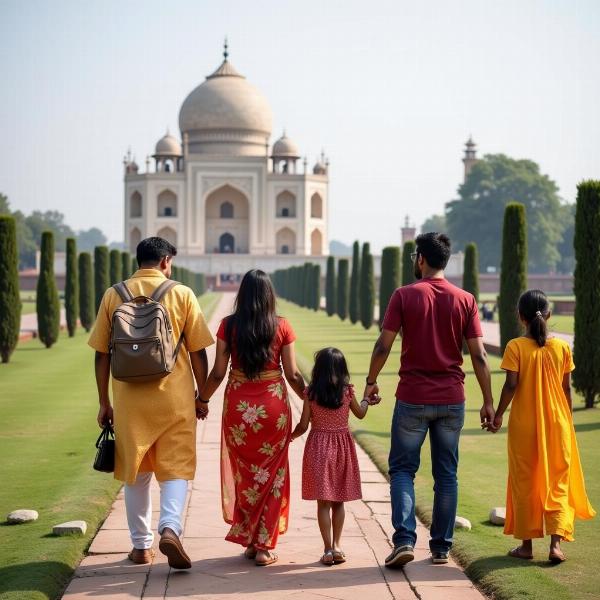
x: 155, y: 421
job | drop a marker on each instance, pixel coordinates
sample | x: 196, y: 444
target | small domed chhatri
x: 220, y: 195
x: 168, y: 146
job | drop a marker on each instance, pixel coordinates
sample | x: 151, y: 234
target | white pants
x: 138, y: 504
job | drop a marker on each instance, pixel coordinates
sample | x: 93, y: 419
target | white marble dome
x: 167, y: 146
x: 285, y: 148
x: 226, y: 115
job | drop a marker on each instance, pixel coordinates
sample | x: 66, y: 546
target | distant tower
x: 470, y: 156
x: 408, y: 231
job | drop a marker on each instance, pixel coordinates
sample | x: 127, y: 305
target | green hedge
x: 10, y: 300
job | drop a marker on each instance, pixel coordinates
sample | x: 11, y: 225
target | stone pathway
x: 221, y: 572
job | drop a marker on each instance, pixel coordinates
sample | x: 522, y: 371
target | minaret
x: 470, y: 157
x: 408, y: 231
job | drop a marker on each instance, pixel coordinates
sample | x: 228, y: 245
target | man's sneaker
x: 439, y: 558
x: 400, y: 556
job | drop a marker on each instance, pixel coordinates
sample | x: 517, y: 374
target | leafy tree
x: 586, y: 376
x: 115, y: 272
x: 86, y: 291
x: 125, y: 265
x: 408, y: 264
x: 342, y: 288
x: 566, y: 251
x: 434, y: 223
x: 90, y: 238
x: 10, y: 300
x: 367, y: 287
x: 390, y: 277
x: 330, y: 287
x: 492, y: 183
x: 4, y: 205
x: 50, y: 220
x: 47, y: 302
x: 101, y: 273
x: 71, y: 287
x: 471, y: 270
x: 513, y: 274
x: 354, y: 300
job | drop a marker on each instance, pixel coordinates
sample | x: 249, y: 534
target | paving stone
x: 498, y: 515
x: 462, y: 523
x: 108, y: 564
x: 70, y: 527
x: 117, y: 587
x: 22, y: 515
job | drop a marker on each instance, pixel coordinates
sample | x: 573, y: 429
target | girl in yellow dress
x: 546, y: 490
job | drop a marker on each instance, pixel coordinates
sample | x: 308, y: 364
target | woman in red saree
x: 255, y: 482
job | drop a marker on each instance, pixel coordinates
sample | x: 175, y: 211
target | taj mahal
x: 225, y: 197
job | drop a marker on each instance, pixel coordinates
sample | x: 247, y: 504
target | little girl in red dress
x: 330, y: 473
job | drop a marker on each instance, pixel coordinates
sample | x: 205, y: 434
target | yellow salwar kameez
x: 155, y: 421
x: 546, y: 489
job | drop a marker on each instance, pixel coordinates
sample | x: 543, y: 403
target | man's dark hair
x: 434, y: 248
x: 152, y: 250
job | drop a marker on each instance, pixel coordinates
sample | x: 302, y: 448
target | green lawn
x: 482, y: 472
x: 47, y: 435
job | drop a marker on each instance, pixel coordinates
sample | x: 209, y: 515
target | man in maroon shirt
x: 433, y: 317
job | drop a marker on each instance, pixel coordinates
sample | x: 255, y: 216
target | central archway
x: 227, y: 222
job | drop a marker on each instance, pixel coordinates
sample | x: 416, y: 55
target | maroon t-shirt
x: 433, y: 317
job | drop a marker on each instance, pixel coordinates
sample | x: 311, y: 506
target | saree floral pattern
x: 254, y: 459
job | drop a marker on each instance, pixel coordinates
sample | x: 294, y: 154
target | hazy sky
x: 391, y: 91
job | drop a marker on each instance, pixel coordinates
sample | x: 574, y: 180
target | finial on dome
x: 225, y: 49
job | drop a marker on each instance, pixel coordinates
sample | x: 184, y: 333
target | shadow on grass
x: 48, y: 578
x: 587, y: 427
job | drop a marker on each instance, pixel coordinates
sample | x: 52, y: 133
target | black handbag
x: 105, y: 455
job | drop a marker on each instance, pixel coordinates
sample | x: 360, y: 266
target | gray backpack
x: 141, y: 338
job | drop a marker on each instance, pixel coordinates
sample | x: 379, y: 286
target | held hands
x: 371, y: 394
x: 201, y: 408
x: 489, y: 421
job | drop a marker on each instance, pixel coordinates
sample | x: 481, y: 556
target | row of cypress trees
x: 85, y: 283
x: 300, y: 284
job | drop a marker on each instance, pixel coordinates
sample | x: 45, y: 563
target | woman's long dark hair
x: 534, y: 309
x: 252, y: 326
x: 329, y: 377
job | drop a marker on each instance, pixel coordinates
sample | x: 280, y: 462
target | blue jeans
x: 409, y: 428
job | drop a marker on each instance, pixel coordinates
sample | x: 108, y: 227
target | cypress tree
x: 330, y: 291
x: 390, y: 277
x: 134, y: 265
x: 86, y: 291
x: 471, y: 270
x: 586, y: 354
x: 125, y: 265
x: 10, y: 300
x: 354, y: 299
x: 47, y: 303
x: 367, y: 287
x: 315, y: 301
x: 307, y: 282
x: 342, y: 288
x: 513, y: 275
x: 101, y: 273
x: 116, y: 273
x: 408, y: 264
x: 71, y: 287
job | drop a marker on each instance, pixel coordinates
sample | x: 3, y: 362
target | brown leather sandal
x: 269, y: 561
x: 339, y: 557
x: 327, y: 558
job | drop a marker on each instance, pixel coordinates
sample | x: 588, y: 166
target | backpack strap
x: 157, y: 296
x: 162, y: 289
x: 123, y: 291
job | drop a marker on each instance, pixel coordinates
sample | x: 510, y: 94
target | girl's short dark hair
x: 329, y: 378
x: 534, y: 309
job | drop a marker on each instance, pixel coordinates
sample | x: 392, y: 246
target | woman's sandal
x: 518, y: 553
x: 556, y: 557
x: 327, y: 558
x: 251, y: 552
x: 339, y: 557
x: 269, y: 561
